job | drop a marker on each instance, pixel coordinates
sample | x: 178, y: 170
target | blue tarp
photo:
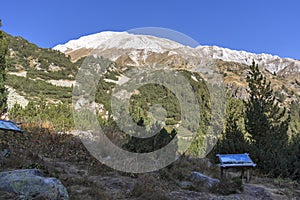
x: 9, y: 126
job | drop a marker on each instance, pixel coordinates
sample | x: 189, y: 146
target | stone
x: 5, y: 153
x: 206, y: 181
x: 8, y: 195
x: 186, y: 185
x: 30, y: 183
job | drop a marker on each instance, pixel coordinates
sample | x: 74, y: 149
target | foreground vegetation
x: 64, y: 156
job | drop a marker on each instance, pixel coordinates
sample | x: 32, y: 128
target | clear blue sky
x: 253, y: 25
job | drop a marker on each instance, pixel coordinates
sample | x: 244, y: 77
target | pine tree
x: 233, y: 138
x: 3, y: 92
x: 267, y: 124
x: 294, y: 160
x: 295, y: 118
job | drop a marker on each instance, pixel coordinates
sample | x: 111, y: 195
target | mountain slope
x: 31, y: 68
x: 33, y: 72
x: 131, y: 49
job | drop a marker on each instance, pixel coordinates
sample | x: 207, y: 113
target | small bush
x: 148, y: 186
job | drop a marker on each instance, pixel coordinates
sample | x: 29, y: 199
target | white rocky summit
x: 136, y: 50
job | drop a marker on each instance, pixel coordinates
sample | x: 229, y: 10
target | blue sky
x: 263, y: 26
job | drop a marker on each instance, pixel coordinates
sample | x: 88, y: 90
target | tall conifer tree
x: 267, y: 123
x: 3, y: 92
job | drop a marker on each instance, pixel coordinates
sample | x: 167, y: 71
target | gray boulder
x: 186, y: 185
x: 201, y: 179
x: 30, y: 184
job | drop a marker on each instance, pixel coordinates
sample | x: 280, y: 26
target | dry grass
x: 56, y: 155
x: 150, y: 186
x: 65, y: 157
x: 182, y: 168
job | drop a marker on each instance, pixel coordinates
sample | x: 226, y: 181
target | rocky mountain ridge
x: 132, y: 49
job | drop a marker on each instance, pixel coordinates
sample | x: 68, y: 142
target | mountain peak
x: 88, y: 41
x: 123, y: 40
x: 142, y: 49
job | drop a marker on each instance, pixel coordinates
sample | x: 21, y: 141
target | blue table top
x: 10, y: 126
x: 232, y: 160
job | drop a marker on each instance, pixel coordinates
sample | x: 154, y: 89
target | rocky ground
x: 13, y: 98
x: 65, y: 158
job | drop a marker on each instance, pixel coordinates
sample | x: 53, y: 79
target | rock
x: 117, y: 186
x: 186, y: 185
x: 8, y: 195
x: 30, y: 184
x: 205, y: 162
x: 15, y: 98
x: 62, y: 83
x: 5, y: 153
x: 188, y: 195
x: 201, y: 179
